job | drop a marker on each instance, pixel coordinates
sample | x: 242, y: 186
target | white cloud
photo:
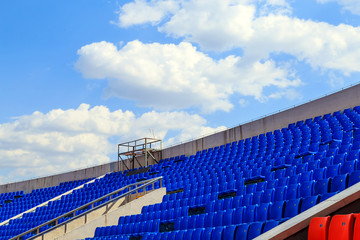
x: 142, y: 11
x: 225, y: 24
x: 352, y: 6
x: 217, y: 25
x: 178, y: 76
x: 62, y: 140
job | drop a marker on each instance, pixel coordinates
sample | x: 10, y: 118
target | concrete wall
x: 346, y: 98
x: 43, y: 182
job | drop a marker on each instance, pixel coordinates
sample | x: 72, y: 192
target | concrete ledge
x: 107, y: 215
x: 302, y: 221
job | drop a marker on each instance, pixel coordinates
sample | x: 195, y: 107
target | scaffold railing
x: 130, y: 152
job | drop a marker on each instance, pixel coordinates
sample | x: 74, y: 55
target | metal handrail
x: 50, y: 200
x: 143, y: 186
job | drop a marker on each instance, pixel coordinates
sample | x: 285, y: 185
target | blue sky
x: 78, y: 77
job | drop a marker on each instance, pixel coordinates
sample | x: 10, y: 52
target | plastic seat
x: 229, y: 232
x: 255, y: 230
x: 257, y: 198
x: 241, y: 232
x: 333, y: 170
x: 332, y: 152
x: 319, y: 228
x: 328, y: 161
x: 313, y: 165
x: 206, y: 233
x: 239, y: 215
x: 268, y: 195
x: 339, y: 158
x: 301, y: 168
x: 184, y: 223
x: 327, y: 196
x: 271, y: 184
x: 277, y: 210
x: 292, y: 208
x: 353, y: 155
x: 217, y: 233
x: 192, y: 221
x: 295, y: 179
x: 341, y: 227
x: 309, y: 202
x: 349, y: 166
x: 228, y: 217
x: 319, y: 173
x: 307, y: 189
x: 307, y: 176
x: 261, y: 186
x: 283, y: 181
x: 279, y: 173
x: 356, y: 145
x: 196, y: 234
x: 237, y: 201
x: 209, y: 220
x: 354, y: 178
x: 280, y: 193
x: 339, y: 183
x: 210, y: 206
x: 218, y: 205
x: 322, y: 186
x: 356, y: 235
x: 218, y: 219
x: 250, y: 213
x: 270, y: 225
x: 290, y: 171
x: 200, y: 223
x: 188, y: 234
x: 262, y: 212
x: 247, y: 199
x: 292, y: 191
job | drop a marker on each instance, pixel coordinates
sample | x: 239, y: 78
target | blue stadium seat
x: 349, y: 166
x: 280, y: 193
x: 339, y: 183
x: 333, y: 170
x: 354, y: 178
x: 250, y: 213
x: 309, y: 202
x: 209, y: 220
x: 319, y: 173
x: 239, y: 215
x: 268, y: 196
x: 206, y: 234
x: 277, y: 210
x: 255, y: 230
x: 217, y: 233
x: 270, y: 225
x: 257, y: 197
x: 292, y: 207
x: 229, y: 232
x: 242, y: 231
x: 292, y: 191
x: 263, y: 212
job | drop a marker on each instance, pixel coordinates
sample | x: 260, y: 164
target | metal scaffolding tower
x: 129, y: 152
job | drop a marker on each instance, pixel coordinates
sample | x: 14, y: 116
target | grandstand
x: 266, y: 179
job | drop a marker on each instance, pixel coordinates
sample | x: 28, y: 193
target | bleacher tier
x: 234, y: 191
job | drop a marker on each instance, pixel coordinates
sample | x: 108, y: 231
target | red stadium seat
x: 342, y: 227
x: 319, y: 228
x: 357, y: 227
